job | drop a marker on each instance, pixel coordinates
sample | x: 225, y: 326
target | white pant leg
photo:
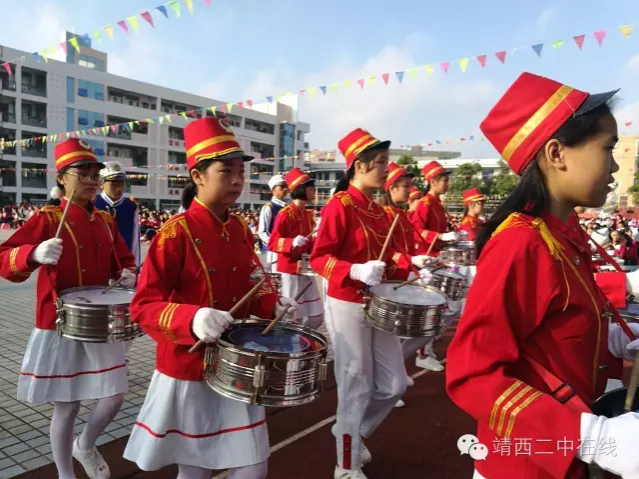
x: 410, y: 346
x: 360, y: 408
x: 127, y: 347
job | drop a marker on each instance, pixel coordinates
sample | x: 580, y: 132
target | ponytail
x: 188, y: 194
x: 367, y: 157
x: 342, y: 184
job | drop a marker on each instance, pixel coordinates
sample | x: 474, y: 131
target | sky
x: 249, y: 49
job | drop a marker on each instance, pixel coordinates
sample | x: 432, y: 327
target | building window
x: 34, y: 175
x: 70, y: 119
x: 138, y: 179
x: 70, y: 90
x: 91, y: 89
x: 259, y: 126
x: 91, y: 62
x: 177, y: 181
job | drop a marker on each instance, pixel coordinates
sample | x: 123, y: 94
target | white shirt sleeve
x: 136, y: 238
x: 265, y: 220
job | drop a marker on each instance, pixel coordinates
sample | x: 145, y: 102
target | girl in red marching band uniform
x: 369, y: 366
x: 474, y: 207
x: 290, y: 238
x: 413, y: 199
x: 55, y: 369
x: 547, y: 348
x: 430, y: 218
x: 198, y: 266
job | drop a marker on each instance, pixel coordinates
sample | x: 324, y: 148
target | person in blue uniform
x: 124, y: 210
x: 269, y: 211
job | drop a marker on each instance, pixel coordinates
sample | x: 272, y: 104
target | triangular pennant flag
x: 413, y: 73
x: 385, y: 77
x: 109, y: 30
x: 207, y: 3
x: 400, y: 76
x: 45, y: 55
x: 162, y: 9
x: 137, y: 122
x: 124, y: 26
x: 161, y: 119
x: 183, y: 115
x: 538, y: 48
x: 323, y: 88
x: 502, y: 56
x: 230, y: 107
x: 175, y: 5
x: 311, y: 91
x: 130, y: 126
x: 189, y: 5
x: 579, y: 40
x: 114, y: 128
x: 168, y: 117
x: 64, y: 47
x: 191, y: 113
x: 36, y: 55
x: 334, y: 87
x: 269, y: 99
x: 150, y: 120
x: 149, y: 19
x: 74, y: 43
x: 86, y: 38
x: 360, y: 82
x: 626, y: 31
x: 302, y: 92
x: 278, y: 97
x: 249, y: 103
x: 628, y: 123
x: 463, y: 64
x: 445, y: 66
x: 348, y: 83
x: 52, y: 50
x: 482, y: 60
x: 557, y: 44
x: 105, y: 130
x: 429, y: 69
x: 97, y: 35
x: 223, y: 108
x: 371, y: 80
x: 240, y: 104
x: 599, y: 36
x: 133, y: 21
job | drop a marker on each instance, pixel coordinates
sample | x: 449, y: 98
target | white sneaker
x: 400, y: 403
x: 429, y: 363
x: 409, y: 381
x: 367, y: 457
x: 94, y: 464
x: 348, y: 473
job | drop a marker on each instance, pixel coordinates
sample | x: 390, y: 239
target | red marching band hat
x: 211, y: 138
x: 395, y: 172
x: 415, y: 194
x: 74, y: 152
x: 295, y: 178
x: 357, y: 142
x: 530, y: 112
x: 433, y: 169
x: 471, y: 195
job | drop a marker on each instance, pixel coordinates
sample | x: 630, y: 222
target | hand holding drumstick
x: 285, y: 310
x: 49, y: 252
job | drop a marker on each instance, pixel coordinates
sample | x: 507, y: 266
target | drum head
x: 409, y: 294
x: 276, y: 341
x: 449, y: 274
x: 96, y: 296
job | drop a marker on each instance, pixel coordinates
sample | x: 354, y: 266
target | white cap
x: 276, y: 180
x: 56, y: 193
x: 113, y: 170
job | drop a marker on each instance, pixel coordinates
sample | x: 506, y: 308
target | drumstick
x: 388, y: 238
x: 314, y: 231
x: 632, y: 387
x: 431, y: 246
x: 410, y: 281
x: 64, y: 215
x: 283, y: 313
x: 120, y: 280
x: 247, y: 297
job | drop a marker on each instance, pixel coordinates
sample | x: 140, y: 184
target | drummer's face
x: 477, y: 208
x: 222, y: 182
x: 400, y: 190
x: 84, y: 179
x: 375, y: 175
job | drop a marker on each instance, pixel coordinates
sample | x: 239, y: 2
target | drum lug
x: 322, y: 370
x: 258, y: 376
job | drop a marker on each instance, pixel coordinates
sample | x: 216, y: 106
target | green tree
x: 410, y: 164
x: 504, y: 181
x: 464, y: 177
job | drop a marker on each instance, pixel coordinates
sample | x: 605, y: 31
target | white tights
x: 63, y: 422
x: 256, y: 471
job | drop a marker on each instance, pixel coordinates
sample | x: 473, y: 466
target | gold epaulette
x: 169, y: 229
x: 106, y: 216
x: 466, y: 220
x: 426, y: 200
x: 343, y: 196
x: 391, y: 210
x: 54, y: 213
x: 518, y: 220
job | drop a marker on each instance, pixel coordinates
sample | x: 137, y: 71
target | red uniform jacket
x: 92, y: 253
x: 195, y: 261
x: 470, y: 224
x: 534, y: 296
x: 290, y: 222
x: 429, y: 219
x: 404, y: 235
x: 353, y: 231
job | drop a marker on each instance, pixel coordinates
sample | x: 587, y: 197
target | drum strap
x: 561, y: 391
x: 602, y: 252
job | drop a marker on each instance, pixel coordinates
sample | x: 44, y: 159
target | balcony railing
x: 120, y: 135
x: 8, y: 85
x: 34, y: 90
x: 34, y: 121
x: 8, y: 150
x: 34, y: 152
x: 8, y: 117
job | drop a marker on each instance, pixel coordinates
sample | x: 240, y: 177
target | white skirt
x: 60, y: 369
x: 186, y: 422
x: 310, y: 304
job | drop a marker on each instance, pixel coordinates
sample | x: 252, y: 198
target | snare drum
x: 450, y: 283
x: 287, y: 367
x: 408, y: 312
x: 304, y: 266
x: 87, y: 314
x: 461, y: 253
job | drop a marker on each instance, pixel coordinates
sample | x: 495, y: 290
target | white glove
x: 299, y: 241
x: 611, y: 443
x: 47, y: 252
x: 129, y: 279
x: 370, y: 273
x: 632, y: 282
x: 450, y: 236
x: 285, y: 303
x: 424, y: 276
x: 422, y: 260
x: 209, y: 324
x: 620, y: 345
